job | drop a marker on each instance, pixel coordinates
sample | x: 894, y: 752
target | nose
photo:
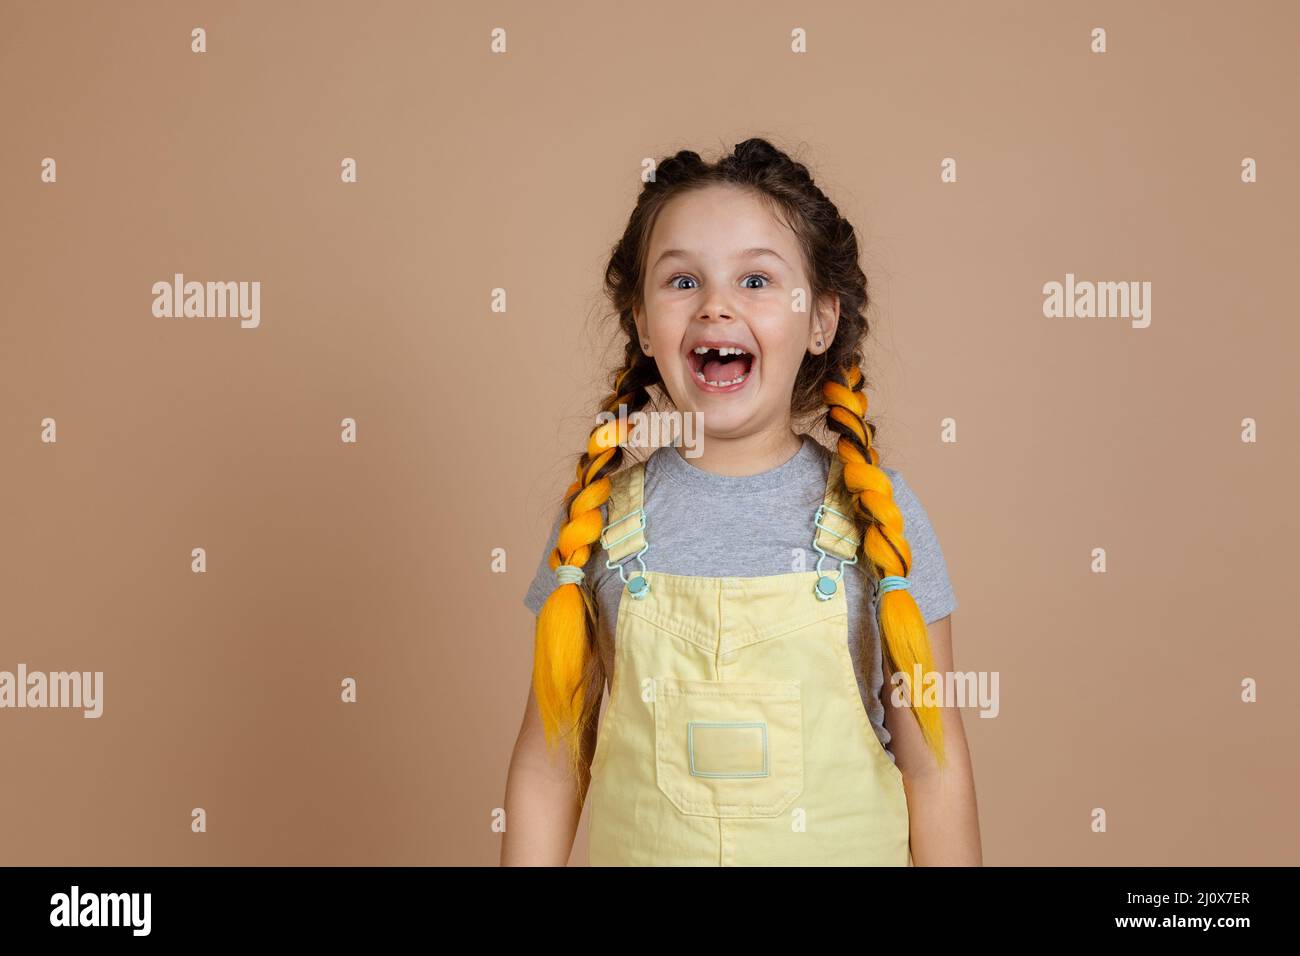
x: 716, y: 307
x: 716, y: 303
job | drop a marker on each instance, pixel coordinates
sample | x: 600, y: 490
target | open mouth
x: 721, y: 367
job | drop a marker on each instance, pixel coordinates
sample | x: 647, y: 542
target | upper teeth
x: 725, y: 350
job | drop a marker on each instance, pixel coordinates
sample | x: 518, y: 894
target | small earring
x: 646, y: 346
x: 819, y: 343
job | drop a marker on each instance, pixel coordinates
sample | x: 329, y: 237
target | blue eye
x: 672, y: 282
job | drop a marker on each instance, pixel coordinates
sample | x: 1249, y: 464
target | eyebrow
x: 743, y: 254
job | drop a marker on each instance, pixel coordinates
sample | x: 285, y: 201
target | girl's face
x: 723, y: 272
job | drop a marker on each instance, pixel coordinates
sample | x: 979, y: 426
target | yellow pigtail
x: 566, y: 622
x: 901, y: 624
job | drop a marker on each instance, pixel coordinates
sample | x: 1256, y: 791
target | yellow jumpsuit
x: 735, y: 734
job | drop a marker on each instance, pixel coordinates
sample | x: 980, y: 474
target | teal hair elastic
x: 892, y: 582
x: 569, y: 574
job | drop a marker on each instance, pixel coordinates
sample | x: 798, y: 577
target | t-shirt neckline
x: 669, y: 462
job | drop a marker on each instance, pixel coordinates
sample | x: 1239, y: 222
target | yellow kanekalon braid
x: 564, y: 622
x: 901, y: 622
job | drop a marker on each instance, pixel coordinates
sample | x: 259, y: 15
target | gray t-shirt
x: 706, y: 525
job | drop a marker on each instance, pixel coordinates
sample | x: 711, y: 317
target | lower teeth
x: 700, y: 376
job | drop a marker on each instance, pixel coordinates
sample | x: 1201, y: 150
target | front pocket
x: 729, y: 748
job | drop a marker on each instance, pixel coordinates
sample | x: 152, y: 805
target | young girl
x: 734, y: 602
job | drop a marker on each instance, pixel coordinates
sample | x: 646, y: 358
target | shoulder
x: 821, y: 455
x: 917, y: 527
x: 653, y: 462
x: 931, y: 586
x: 908, y: 502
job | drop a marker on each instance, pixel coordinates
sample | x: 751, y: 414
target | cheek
x: 665, y: 333
x: 782, y: 353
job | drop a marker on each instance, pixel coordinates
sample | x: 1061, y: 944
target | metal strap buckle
x: 827, y: 585
x: 639, y: 513
x: 639, y: 586
x: 817, y: 520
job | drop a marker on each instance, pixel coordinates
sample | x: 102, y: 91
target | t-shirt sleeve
x: 930, y: 588
x: 544, y: 582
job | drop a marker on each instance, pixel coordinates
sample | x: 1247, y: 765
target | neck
x: 747, y: 454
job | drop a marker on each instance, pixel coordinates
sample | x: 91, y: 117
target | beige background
x: 477, y: 171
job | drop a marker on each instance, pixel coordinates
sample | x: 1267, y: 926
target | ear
x: 825, y: 320
x: 638, y: 316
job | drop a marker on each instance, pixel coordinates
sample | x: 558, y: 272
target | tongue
x: 716, y: 370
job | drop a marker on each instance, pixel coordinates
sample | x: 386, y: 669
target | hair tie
x: 892, y: 582
x: 569, y: 574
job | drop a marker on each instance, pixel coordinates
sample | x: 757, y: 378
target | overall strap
x: 625, y: 532
x: 624, y: 535
x: 837, y: 534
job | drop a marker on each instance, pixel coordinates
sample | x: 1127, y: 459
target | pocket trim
x: 734, y: 725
